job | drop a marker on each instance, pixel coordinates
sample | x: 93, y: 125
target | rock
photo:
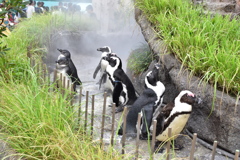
x: 217, y: 117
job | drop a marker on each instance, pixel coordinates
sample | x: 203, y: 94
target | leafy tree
x: 9, y: 5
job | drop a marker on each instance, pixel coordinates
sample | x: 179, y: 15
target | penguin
x: 62, y: 66
x: 175, y: 115
x: 146, y: 103
x: 102, y: 65
x: 72, y: 72
x: 126, y: 94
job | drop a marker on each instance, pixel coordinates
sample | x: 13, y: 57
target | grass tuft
x: 208, y: 45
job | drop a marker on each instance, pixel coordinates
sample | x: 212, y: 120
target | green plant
x: 140, y: 59
x: 39, y: 124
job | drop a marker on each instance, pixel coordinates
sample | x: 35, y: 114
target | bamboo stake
x: 138, y: 134
x: 169, y: 142
x: 103, y: 118
x: 55, y: 81
x: 60, y: 81
x: 214, y: 149
x: 79, y: 109
x: 113, y: 120
x: 86, y: 111
x: 124, y: 130
x: 64, y: 85
x: 193, y: 146
x: 71, y: 91
x: 153, y: 137
x: 92, y: 115
x: 236, y: 155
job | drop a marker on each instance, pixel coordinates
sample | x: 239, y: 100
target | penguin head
x: 152, y: 77
x: 188, y: 97
x: 113, y: 60
x: 65, y: 52
x: 105, y: 49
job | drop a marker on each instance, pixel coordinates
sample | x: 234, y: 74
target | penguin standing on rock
x: 146, y: 103
x: 102, y: 66
x: 123, y: 91
x: 62, y: 66
x: 175, y: 115
x: 72, y: 71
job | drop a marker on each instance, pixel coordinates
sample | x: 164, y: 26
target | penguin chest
x: 104, y: 65
x: 177, y: 126
x: 124, y: 95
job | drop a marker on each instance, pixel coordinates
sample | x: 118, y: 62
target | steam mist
x: 118, y: 30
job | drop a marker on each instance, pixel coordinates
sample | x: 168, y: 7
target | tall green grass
x: 39, y: 124
x: 208, y: 45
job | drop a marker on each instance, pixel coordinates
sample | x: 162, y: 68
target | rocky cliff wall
x: 221, y: 121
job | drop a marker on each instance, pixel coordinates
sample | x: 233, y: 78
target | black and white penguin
x: 72, y: 73
x: 102, y: 65
x: 175, y: 115
x: 123, y: 91
x: 62, y: 66
x: 146, y: 103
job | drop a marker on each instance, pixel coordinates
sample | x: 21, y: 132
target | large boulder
x: 217, y: 118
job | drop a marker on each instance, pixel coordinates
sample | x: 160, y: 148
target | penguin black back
x: 146, y: 103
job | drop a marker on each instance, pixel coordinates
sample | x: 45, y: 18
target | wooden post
x: 169, y: 142
x: 214, y: 150
x: 60, y: 81
x: 68, y: 85
x: 138, y: 134
x: 236, y: 155
x: 86, y: 112
x: 113, y: 120
x: 193, y: 146
x: 63, y: 85
x: 55, y: 79
x: 79, y: 109
x: 103, y: 118
x: 153, y: 137
x: 124, y: 129
x: 92, y: 115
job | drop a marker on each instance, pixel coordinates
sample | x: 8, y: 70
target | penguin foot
x: 119, y: 109
x: 177, y: 147
x: 145, y: 137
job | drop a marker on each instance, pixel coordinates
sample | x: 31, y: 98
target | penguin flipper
x: 163, y: 114
x: 117, y: 92
x: 96, y: 70
x: 103, y: 79
x: 160, y: 123
x: 146, y: 120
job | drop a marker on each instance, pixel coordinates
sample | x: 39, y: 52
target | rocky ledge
x: 219, y: 122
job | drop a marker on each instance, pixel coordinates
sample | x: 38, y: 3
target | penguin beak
x: 99, y: 49
x: 59, y: 50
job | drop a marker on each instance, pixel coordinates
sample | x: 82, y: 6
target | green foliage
x: 140, y: 59
x: 37, y: 123
x: 40, y: 124
x: 207, y: 44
